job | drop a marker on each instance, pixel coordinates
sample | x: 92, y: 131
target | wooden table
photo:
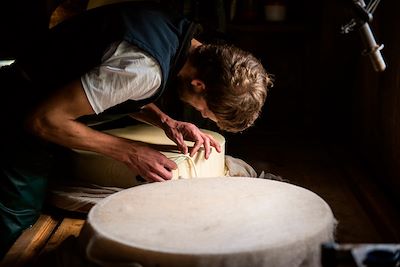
x: 43, y: 237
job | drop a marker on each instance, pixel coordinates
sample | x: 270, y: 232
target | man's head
x: 226, y: 84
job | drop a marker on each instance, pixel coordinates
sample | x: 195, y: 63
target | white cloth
x: 238, y: 167
x: 82, y: 196
x: 126, y: 73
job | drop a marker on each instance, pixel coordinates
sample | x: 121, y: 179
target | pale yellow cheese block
x: 90, y: 167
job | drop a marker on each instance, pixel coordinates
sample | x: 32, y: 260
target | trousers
x: 25, y: 165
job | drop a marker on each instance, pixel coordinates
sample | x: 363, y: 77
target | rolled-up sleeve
x: 127, y: 74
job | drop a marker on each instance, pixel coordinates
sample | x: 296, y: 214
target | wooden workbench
x: 42, y: 238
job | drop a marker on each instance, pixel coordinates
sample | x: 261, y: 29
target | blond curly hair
x: 236, y: 82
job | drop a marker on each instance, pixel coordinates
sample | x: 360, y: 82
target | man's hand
x: 148, y: 163
x: 178, y: 131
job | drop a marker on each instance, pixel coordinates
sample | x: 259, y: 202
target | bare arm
x: 55, y: 121
x: 151, y: 114
x: 178, y: 131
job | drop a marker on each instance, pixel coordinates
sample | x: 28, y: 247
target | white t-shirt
x: 126, y: 72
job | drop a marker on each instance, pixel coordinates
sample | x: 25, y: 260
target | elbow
x: 38, y: 124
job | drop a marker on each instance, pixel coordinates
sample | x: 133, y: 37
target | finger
x: 207, y: 147
x: 163, y: 171
x: 170, y: 165
x: 215, y: 144
x: 152, y: 177
x: 165, y: 174
x: 196, y: 147
x: 181, y: 144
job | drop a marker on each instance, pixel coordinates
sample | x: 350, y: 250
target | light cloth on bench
x: 81, y: 196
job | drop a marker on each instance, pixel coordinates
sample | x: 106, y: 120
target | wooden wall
x: 358, y: 106
x: 346, y: 101
x: 376, y: 110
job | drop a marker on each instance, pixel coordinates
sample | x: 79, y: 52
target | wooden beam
x: 28, y: 246
x: 68, y: 227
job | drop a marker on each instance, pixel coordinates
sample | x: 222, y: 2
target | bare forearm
x: 72, y: 134
x: 151, y: 114
x: 55, y: 121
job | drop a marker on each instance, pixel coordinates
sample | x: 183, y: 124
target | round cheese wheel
x: 221, y: 221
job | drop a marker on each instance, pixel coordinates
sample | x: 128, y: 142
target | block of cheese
x: 94, y: 168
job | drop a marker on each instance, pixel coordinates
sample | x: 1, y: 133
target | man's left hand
x: 179, y: 131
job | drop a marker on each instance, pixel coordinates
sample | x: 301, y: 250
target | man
x: 107, y: 63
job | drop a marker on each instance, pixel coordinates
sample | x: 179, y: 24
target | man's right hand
x: 148, y: 163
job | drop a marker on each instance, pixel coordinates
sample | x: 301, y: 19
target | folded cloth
x: 238, y: 167
x: 80, y: 196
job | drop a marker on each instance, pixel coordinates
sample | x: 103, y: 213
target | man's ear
x: 198, y: 86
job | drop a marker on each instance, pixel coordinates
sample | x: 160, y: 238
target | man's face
x: 198, y: 102
x: 188, y: 94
